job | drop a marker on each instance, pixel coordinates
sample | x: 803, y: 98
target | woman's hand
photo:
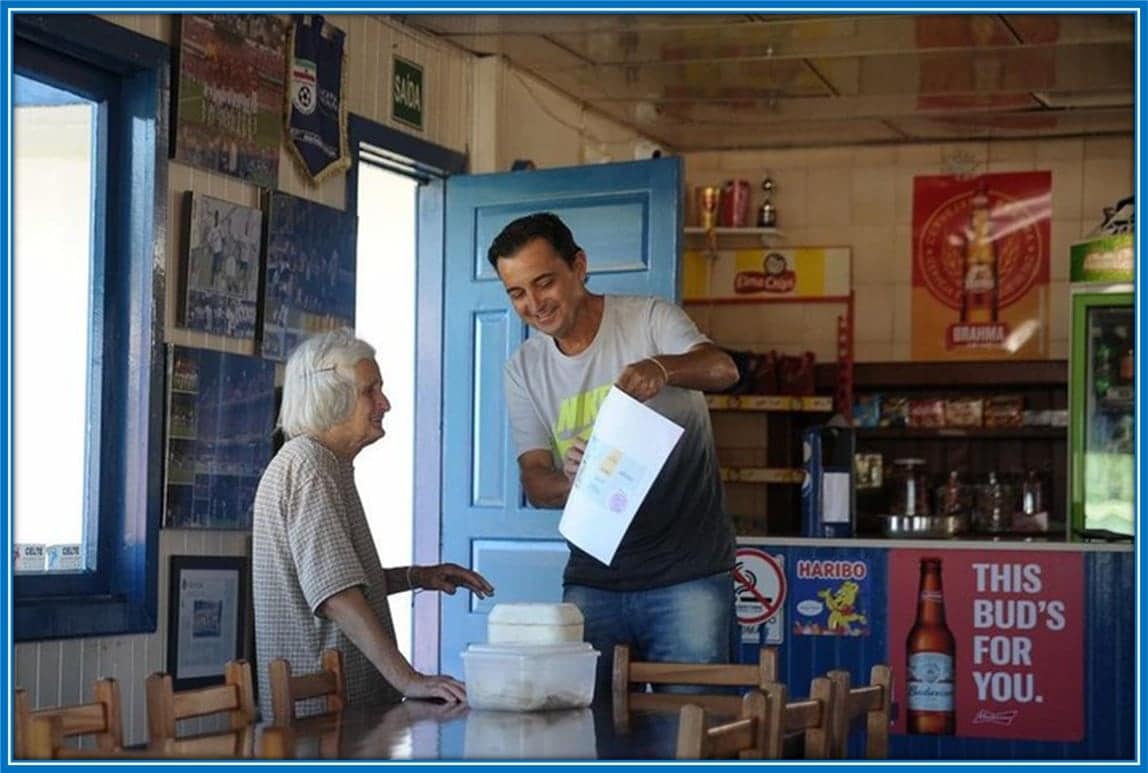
x: 438, y: 686
x: 447, y: 578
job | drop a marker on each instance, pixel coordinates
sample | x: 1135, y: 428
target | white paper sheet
x: 626, y: 450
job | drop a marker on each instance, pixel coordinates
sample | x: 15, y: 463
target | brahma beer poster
x: 987, y: 643
x: 981, y: 266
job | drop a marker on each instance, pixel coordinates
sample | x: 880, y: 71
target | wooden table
x: 418, y: 729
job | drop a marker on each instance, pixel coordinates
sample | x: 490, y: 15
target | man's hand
x: 447, y: 578
x: 573, y: 459
x: 643, y: 379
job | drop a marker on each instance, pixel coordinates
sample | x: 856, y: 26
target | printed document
x: 626, y: 450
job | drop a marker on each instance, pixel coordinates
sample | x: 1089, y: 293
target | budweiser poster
x: 981, y: 266
x: 987, y: 644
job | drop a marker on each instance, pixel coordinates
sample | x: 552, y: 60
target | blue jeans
x: 691, y: 622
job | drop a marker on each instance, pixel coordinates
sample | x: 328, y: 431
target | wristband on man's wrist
x: 658, y: 362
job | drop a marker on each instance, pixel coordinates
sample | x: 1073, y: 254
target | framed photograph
x: 230, y: 94
x: 223, y: 245
x: 208, y: 615
x: 220, y: 425
x: 310, y: 273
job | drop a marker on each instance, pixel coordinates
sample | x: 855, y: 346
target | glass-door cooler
x: 1102, y: 390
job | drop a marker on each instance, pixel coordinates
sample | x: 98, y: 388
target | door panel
x: 627, y: 217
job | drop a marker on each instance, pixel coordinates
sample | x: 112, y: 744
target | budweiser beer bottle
x: 929, y: 655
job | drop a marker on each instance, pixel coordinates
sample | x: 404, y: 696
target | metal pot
x: 924, y: 526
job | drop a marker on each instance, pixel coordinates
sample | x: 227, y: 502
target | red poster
x: 1011, y: 665
x: 981, y: 266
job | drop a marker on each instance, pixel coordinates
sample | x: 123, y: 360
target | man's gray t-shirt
x: 681, y: 532
x: 310, y: 540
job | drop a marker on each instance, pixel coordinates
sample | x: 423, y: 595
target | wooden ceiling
x: 714, y: 82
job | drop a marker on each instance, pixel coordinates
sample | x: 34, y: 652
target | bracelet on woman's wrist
x: 410, y: 580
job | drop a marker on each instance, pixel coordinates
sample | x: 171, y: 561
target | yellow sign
x: 766, y: 275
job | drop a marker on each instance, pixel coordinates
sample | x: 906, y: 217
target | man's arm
x: 350, y: 611
x: 705, y: 367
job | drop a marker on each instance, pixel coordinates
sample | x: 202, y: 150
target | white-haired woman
x: 317, y: 579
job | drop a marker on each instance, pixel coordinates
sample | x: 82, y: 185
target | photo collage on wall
x: 310, y: 273
x: 230, y: 94
x: 228, y: 109
x: 224, y: 242
x: 220, y: 419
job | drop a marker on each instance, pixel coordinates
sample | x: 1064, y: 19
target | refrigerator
x: 1102, y: 388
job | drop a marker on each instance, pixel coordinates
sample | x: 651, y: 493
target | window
x: 89, y: 206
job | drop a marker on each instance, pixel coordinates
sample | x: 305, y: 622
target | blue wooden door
x: 627, y: 217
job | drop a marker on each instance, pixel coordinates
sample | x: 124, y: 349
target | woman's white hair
x: 319, y: 388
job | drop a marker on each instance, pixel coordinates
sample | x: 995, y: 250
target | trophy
x: 767, y: 215
x: 706, y: 198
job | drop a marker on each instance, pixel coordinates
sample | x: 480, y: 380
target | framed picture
x: 310, y: 273
x: 223, y: 244
x: 208, y: 615
x: 220, y: 424
x: 230, y: 94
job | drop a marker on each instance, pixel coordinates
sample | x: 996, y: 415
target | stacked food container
x: 534, y: 659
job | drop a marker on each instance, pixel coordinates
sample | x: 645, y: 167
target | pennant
x: 316, y: 108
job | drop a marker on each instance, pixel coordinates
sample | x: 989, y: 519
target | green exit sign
x: 407, y: 94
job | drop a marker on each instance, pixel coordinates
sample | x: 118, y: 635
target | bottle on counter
x: 995, y: 505
x: 1032, y: 494
x: 930, y: 656
x: 954, y: 497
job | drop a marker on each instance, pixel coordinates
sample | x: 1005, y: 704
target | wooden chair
x: 744, y: 737
x: 166, y: 707
x: 287, y: 690
x: 46, y: 739
x: 811, y: 717
x: 873, y: 700
x: 628, y: 672
x: 102, y: 719
x: 277, y: 743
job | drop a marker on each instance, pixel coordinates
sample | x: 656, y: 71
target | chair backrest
x: 872, y: 700
x: 166, y: 707
x: 47, y: 739
x: 744, y: 737
x: 811, y: 717
x: 286, y: 689
x: 102, y: 719
x: 628, y: 672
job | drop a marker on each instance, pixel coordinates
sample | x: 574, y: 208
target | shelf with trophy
x: 759, y: 429
x: 722, y: 216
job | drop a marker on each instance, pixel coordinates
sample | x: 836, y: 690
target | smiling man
x: 668, y: 592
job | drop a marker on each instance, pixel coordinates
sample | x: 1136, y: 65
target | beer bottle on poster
x: 980, y: 283
x: 930, y: 656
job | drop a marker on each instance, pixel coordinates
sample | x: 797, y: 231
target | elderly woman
x: 317, y: 578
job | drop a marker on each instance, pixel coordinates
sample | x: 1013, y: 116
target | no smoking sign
x: 759, y: 582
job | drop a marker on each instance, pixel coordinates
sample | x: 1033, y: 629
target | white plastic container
x: 556, y: 735
x: 529, y: 623
x: 530, y: 677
